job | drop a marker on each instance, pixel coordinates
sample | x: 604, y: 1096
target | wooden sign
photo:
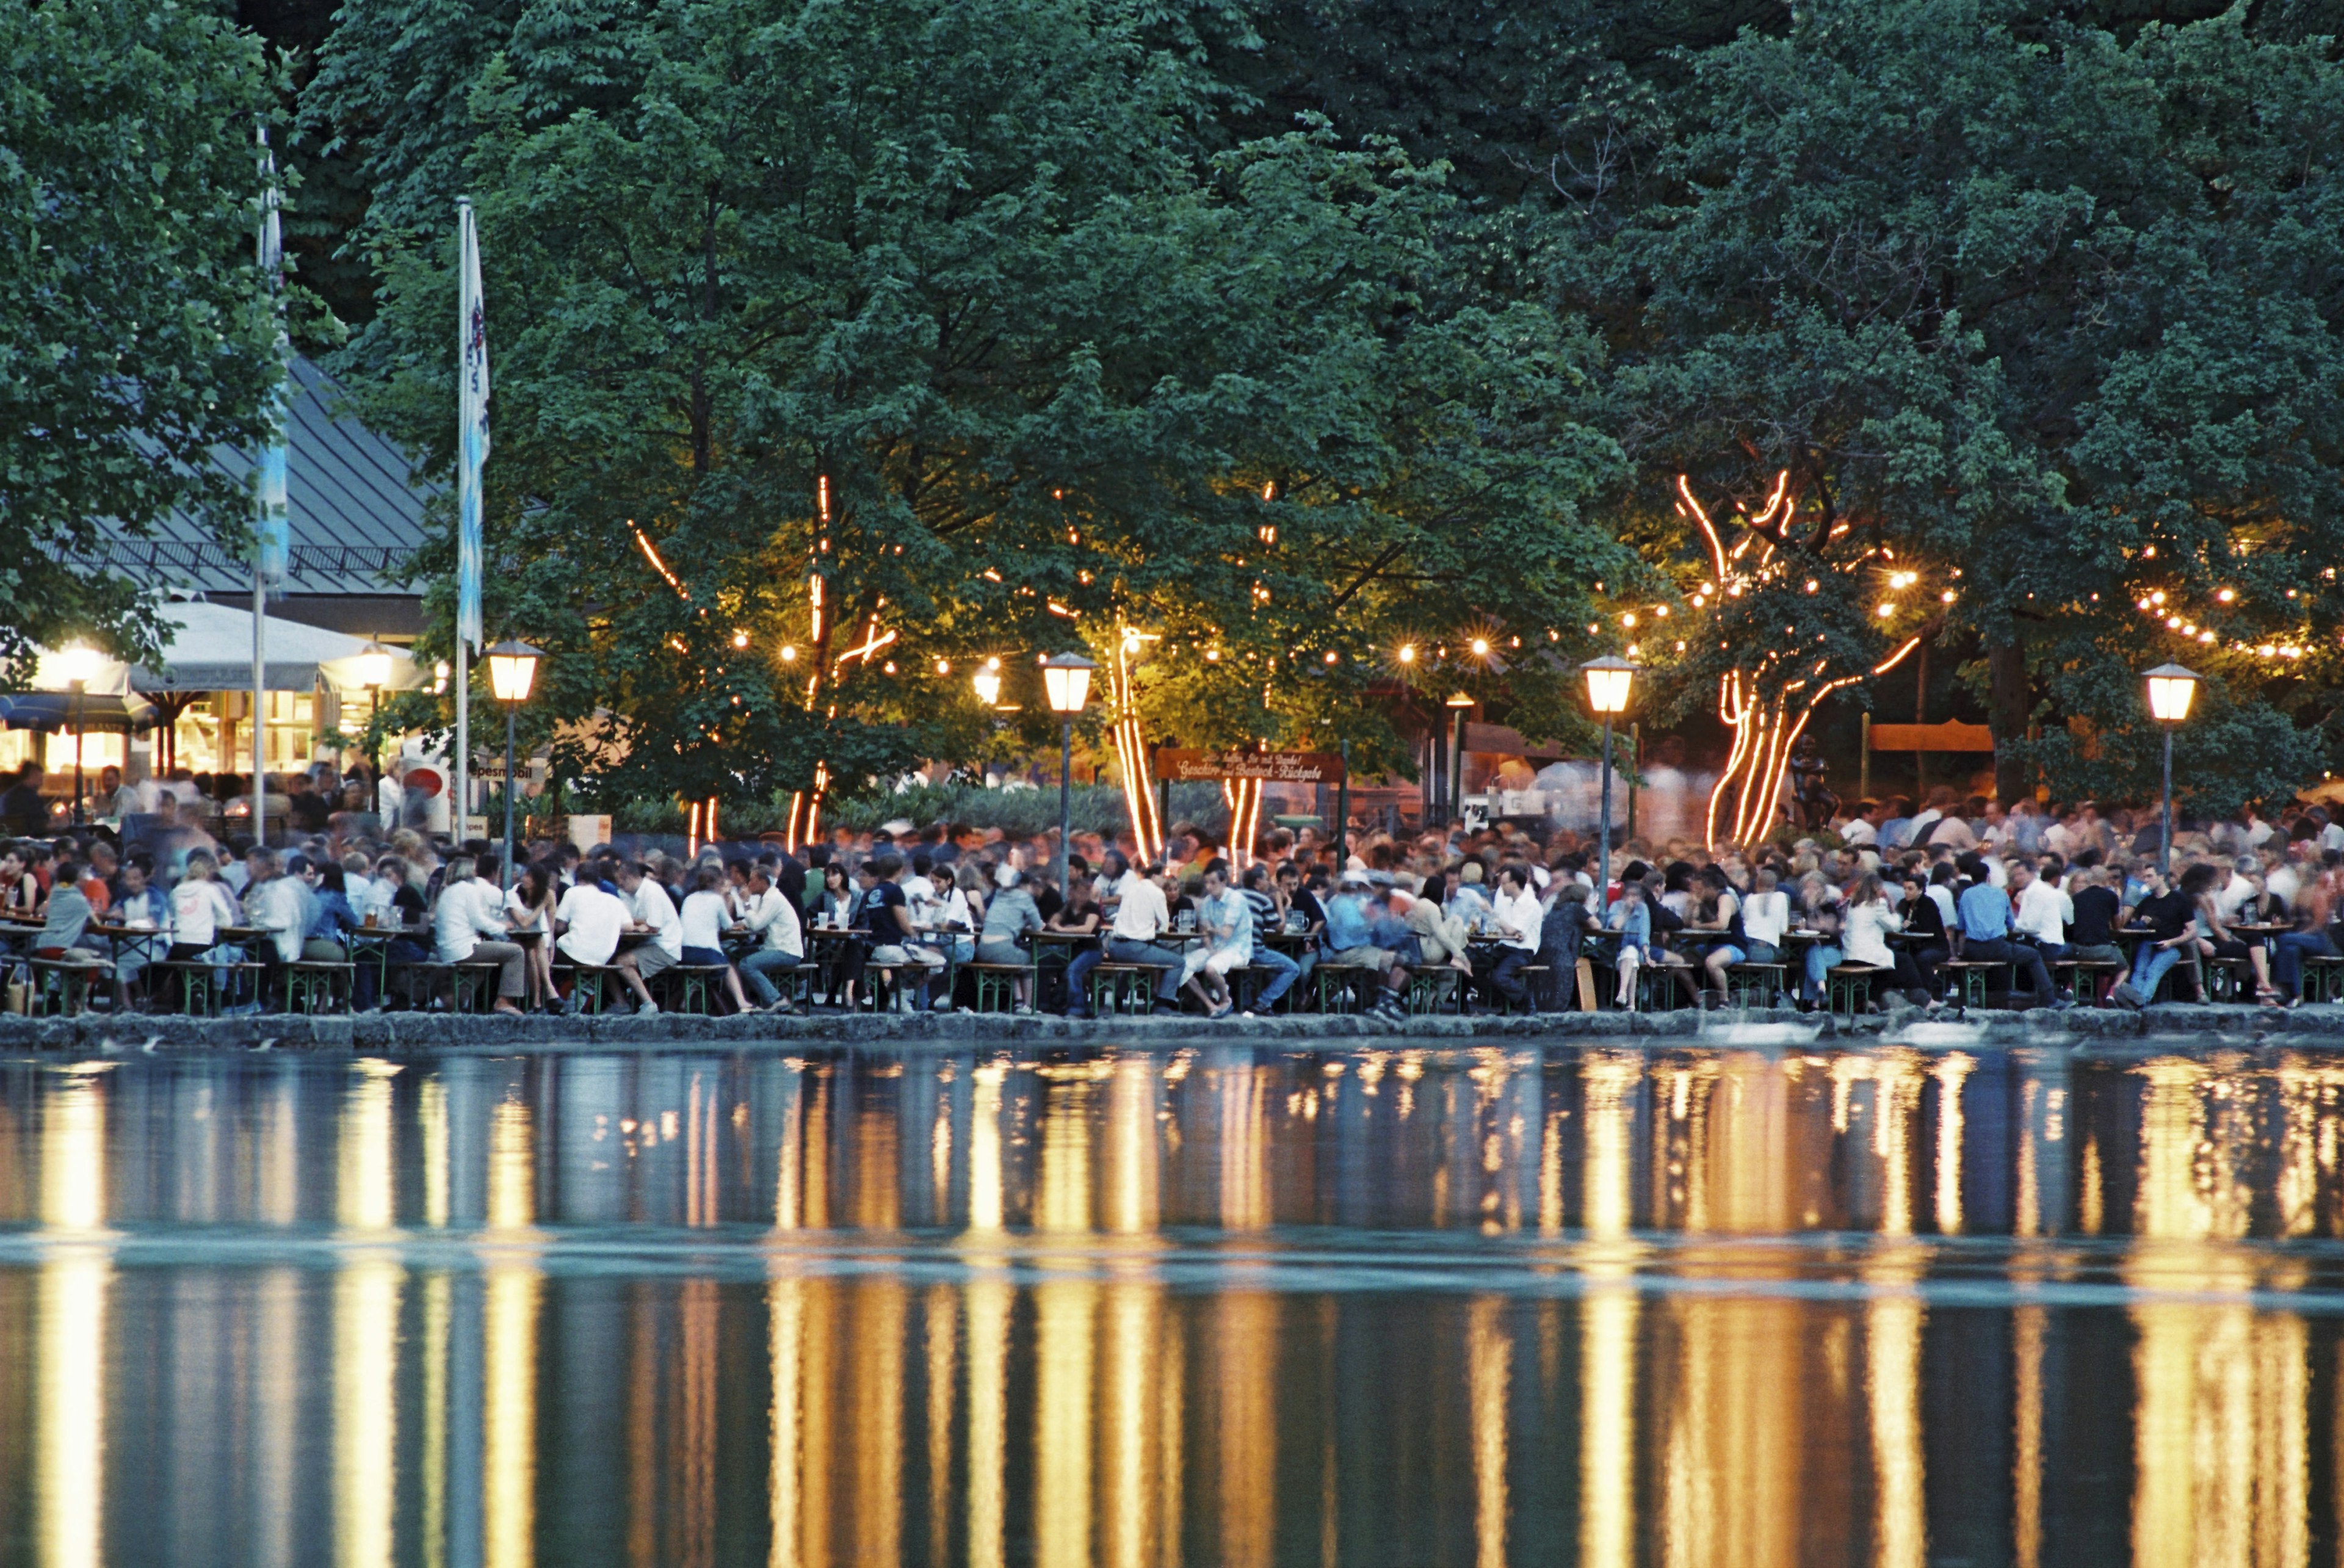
x: 1953, y: 736
x: 1270, y: 768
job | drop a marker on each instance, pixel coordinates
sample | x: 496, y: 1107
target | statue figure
x: 1809, y: 790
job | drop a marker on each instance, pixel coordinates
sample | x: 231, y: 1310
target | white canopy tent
x: 209, y: 648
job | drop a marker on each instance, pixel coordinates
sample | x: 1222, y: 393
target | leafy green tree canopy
x: 133, y: 334
x: 839, y: 347
x: 2031, y: 303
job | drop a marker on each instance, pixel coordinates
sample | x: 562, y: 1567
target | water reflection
x: 1729, y: 1306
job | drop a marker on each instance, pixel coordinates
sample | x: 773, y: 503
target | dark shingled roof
x: 357, y: 512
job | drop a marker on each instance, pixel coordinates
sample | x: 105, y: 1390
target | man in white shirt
x: 1520, y: 918
x: 1862, y: 830
x: 468, y: 910
x: 1144, y: 915
x: 2043, y: 912
x: 781, y: 943
x: 589, y: 921
x: 2240, y: 890
x: 652, y: 914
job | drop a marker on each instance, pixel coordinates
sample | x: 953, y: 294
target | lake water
x: 1766, y: 1305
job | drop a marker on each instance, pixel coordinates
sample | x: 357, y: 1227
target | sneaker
x: 647, y: 1009
x: 2126, y: 996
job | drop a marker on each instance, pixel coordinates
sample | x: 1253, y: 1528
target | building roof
x: 356, y: 510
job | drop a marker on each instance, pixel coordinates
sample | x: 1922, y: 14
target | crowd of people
x: 1502, y: 918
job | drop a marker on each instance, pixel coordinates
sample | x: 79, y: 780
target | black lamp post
x: 512, y: 671
x: 1067, y: 681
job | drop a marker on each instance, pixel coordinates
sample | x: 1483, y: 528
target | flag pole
x: 271, y: 541
x: 472, y: 450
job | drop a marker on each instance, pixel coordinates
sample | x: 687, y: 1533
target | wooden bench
x: 1123, y: 987
x: 996, y: 984
x: 1766, y: 980
x: 1852, y: 983
x: 68, y: 980
x: 698, y: 985
x: 1534, y: 979
x: 471, y: 987
x: 308, y: 980
x: 198, y: 987
x: 2226, y: 980
x: 1970, y: 976
x: 1434, y: 991
x: 2102, y: 974
x: 1337, y: 989
x: 2323, y: 978
x: 586, y: 984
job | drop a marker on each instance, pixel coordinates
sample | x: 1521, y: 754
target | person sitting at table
x: 1924, y: 922
x: 769, y: 920
x: 894, y: 947
x: 588, y: 920
x: 1986, y: 934
x: 137, y: 906
x: 1565, y: 920
x: 273, y: 905
x: 20, y: 890
x: 701, y: 925
x: 650, y: 914
x: 2170, y: 916
x: 2315, y: 906
x: 67, y: 920
x: 1348, y: 942
x: 1630, y: 919
x: 1865, y: 925
x: 1268, y: 922
x: 1144, y: 915
x: 200, y: 904
x: 1010, y: 921
x: 2214, y: 937
x: 1227, y: 924
x: 469, y: 909
x: 528, y: 906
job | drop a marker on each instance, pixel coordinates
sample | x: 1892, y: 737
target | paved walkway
x: 2318, y: 1026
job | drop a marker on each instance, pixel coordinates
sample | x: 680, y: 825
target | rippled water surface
x: 1782, y: 1304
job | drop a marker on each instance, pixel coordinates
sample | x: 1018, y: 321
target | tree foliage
x: 134, y: 338
x: 955, y: 315
x: 2031, y: 303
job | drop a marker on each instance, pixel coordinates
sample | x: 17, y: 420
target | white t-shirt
x: 2044, y: 913
x: 773, y: 917
x: 1765, y: 916
x: 198, y: 911
x: 649, y: 905
x: 594, y: 919
x: 1144, y: 915
x: 1859, y: 832
x: 466, y: 910
x: 519, y: 915
x: 1523, y: 911
x: 702, y: 923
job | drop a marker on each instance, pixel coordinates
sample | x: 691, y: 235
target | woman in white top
x: 705, y: 914
x: 199, y: 907
x: 1869, y: 919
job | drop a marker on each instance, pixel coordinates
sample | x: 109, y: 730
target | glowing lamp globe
x: 987, y: 682
x: 2170, y: 689
x: 374, y: 666
x: 79, y: 664
x: 1067, y: 679
x: 512, y: 671
x: 1460, y: 698
x: 1609, y: 680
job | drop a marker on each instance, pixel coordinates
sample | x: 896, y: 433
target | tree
x: 839, y: 347
x: 2040, y: 309
x: 136, y: 335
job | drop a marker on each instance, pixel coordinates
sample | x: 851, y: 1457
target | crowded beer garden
x: 1217, y: 642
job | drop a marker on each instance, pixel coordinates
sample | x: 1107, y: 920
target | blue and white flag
x: 471, y: 426
x: 272, y: 523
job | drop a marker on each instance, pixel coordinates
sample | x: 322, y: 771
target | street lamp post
x: 512, y: 671
x: 1066, y: 680
x: 1452, y: 772
x: 1608, y: 683
x: 80, y: 664
x: 2170, y: 689
x: 374, y: 674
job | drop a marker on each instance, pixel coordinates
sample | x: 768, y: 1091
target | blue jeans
x: 1286, y: 971
x: 2293, y: 947
x: 1820, y: 959
x: 1168, y: 981
x: 2150, y: 964
x: 757, y: 966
